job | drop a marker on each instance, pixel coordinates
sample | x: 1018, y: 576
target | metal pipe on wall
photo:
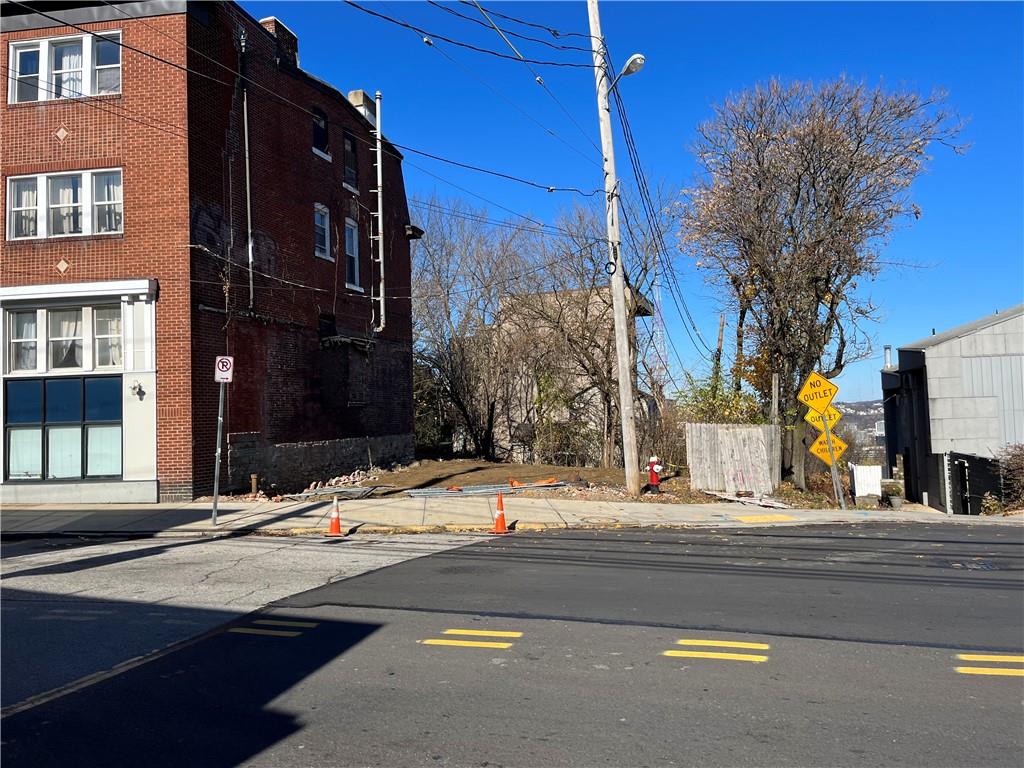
x: 381, y: 317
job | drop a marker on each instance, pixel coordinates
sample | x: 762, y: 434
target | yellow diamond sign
x: 817, y: 392
x: 820, y: 448
x: 814, y: 419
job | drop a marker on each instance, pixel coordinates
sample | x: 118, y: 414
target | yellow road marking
x: 481, y: 633
x: 466, y: 643
x: 268, y: 632
x: 764, y: 518
x: 714, y: 655
x: 282, y: 623
x: 989, y: 657
x: 990, y: 671
x: 725, y: 644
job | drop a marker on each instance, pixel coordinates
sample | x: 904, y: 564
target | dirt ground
x: 600, y: 483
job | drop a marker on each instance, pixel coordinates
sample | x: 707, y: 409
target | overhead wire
x: 282, y: 99
x: 451, y: 41
x: 510, y: 33
x: 550, y: 30
x: 538, y: 79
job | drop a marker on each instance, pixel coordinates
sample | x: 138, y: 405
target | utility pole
x: 618, y: 282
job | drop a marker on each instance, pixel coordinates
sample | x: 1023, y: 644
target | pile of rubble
x: 357, y: 477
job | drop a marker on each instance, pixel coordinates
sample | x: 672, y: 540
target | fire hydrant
x: 654, y: 479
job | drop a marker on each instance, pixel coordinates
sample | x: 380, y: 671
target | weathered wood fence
x: 734, y: 457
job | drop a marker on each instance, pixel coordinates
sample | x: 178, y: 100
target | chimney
x: 888, y: 356
x: 367, y: 107
x: 287, y: 42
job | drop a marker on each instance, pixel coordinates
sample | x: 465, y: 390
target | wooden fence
x: 734, y: 457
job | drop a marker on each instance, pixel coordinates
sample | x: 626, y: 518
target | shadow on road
x: 208, y: 703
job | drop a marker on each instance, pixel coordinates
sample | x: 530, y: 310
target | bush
x: 1011, y: 467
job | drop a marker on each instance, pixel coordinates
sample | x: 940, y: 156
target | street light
x: 633, y: 65
x: 623, y: 353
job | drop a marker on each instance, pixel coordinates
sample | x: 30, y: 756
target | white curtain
x: 66, y: 352
x: 104, y: 451
x: 25, y: 453
x: 64, y: 452
x: 67, y: 64
x: 107, y: 195
x: 26, y: 194
x: 25, y: 341
x: 65, y: 191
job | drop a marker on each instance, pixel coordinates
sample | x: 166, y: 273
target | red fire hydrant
x: 654, y: 479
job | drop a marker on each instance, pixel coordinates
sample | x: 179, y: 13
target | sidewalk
x: 408, y: 515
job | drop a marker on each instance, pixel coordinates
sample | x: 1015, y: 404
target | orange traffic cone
x: 335, y: 529
x: 499, y: 521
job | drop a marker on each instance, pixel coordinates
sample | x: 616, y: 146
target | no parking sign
x: 224, y: 369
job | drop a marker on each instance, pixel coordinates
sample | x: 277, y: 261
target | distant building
x: 953, y: 401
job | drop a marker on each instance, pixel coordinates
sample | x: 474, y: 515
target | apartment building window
x: 322, y: 232
x: 63, y: 428
x: 65, y: 67
x: 321, y: 136
x: 65, y: 204
x: 64, y: 339
x: 351, y: 254
x: 351, y: 166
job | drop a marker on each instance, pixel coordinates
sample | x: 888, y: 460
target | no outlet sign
x: 224, y: 369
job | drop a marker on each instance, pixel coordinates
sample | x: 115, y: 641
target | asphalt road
x: 787, y: 646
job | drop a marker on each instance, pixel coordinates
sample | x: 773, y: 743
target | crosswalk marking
x: 283, y: 623
x: 481, y: 633
x: 466, y: 643
x: 716, y: 655
x: 725, y: 644
x: 266, y: 632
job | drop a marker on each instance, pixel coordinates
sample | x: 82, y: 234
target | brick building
x: 175, y: 187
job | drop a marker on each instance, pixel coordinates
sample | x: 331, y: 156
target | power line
x: 499, y: 174
x: 529, y: 116
x: 510, y: 33
x: 122, y: 44
x: 481, y: 219
x: 550, y: 30
x: 459, y: 43
x: 538, y: 79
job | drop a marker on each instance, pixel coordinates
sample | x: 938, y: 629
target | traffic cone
x: 499, y: 521
x: 335, y: 529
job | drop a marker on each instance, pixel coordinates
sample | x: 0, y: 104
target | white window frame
x: 46, y: 90
x: 15, y: 76
x: 13, y: 340
x: 15, y: 210
x: 43, y: 204
x: 351, y: 225
x: 321, y: 209
x: 96, y: 336
x: 43, y: 338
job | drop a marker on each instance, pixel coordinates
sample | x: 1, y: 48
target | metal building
x: 953, y: 401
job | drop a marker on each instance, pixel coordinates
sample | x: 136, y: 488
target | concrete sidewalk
x: 404, y: 514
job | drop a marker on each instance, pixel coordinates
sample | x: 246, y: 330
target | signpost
x: 223, y: 373
x: 817, y: 394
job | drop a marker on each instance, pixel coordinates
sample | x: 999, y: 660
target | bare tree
x: 461, y: 268
x: 800, y: 187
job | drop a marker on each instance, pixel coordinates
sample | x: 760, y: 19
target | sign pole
x: 836, y: 485
x: 216, y: 467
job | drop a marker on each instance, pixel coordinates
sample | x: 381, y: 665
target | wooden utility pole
x: 618, y: 282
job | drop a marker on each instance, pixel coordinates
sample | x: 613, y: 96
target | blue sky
x: 969, y: 242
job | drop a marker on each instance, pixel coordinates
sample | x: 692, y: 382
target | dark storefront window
x: 63, y: 428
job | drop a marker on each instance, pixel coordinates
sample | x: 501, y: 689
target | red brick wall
x: 142, y: 131
x: 287, y: 388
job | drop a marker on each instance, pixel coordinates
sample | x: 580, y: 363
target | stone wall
x: 293, y: 466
